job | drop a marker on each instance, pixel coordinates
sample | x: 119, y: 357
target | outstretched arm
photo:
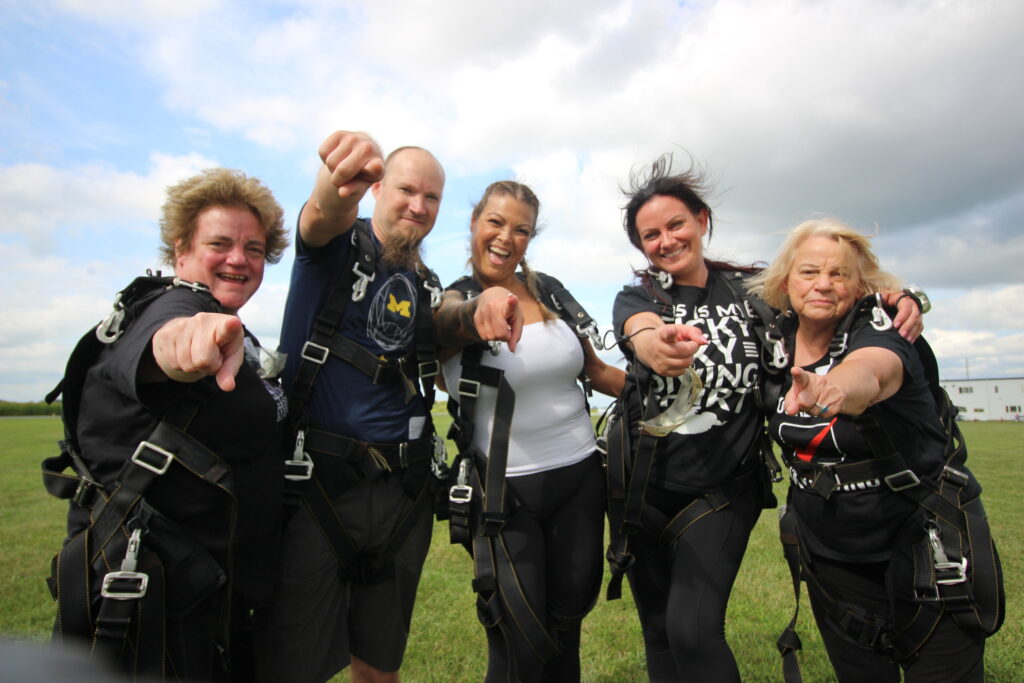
x: 189, y: 349
x: 666, y: 349
x: 352, y: 162
x: 864, y: 378
x: 495, y: 315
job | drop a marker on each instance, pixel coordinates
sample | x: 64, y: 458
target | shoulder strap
x: 356, y: 274
x: 128, y: 305
x: 563, y: 303
x: 774, y: 358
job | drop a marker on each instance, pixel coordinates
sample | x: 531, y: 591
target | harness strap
x: 383, y: 456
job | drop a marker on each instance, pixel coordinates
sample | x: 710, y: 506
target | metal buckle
x: 955, y: 476
x: 436, y: 294
x: 958, y: 568
x: 780, y: 359
x: 910, y: 482
x: 145, y: 446
x: 460, y: 493
x: 300, y: 461
x: 403, y: 454
x: 140, y: 580
x: 127, y: 573
x: 439, y: 463
x: 429, y: 368
x: 109, y: 330
x: 320, y: 359
x: 360, y: 285
x: 469, y: 388
x: 591, y: 331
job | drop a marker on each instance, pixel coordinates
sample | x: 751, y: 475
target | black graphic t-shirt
x: 860, y: 520
x: 711, y: 447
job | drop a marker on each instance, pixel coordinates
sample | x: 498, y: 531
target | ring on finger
x: 822, y: 409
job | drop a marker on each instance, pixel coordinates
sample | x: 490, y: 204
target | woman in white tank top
x: 550, y: 542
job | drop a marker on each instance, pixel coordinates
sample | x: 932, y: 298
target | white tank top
x: 550, y: 425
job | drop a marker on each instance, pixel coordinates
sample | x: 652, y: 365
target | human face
x: 820, y: 286
x: 670, y: 235
x: 227, y: 254
x: 409, y: 196
x: 499, y: 237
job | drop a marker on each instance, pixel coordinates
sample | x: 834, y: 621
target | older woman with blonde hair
x: 865, y: 510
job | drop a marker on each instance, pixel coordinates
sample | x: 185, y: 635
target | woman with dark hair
x: 697, y: 476
x: 527, y: 449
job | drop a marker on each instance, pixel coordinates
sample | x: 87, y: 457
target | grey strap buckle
x: 130, y: 584
x: 436, y: 294
x: 904, y: 479
x: 363, y: 280
x: 145, y: 448
x: 469, y: 388
x: 461, y: 492
x: 591, y: 331
x: 315, y: 353
x: 300, y: 466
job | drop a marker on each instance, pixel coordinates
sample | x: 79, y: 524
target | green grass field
x: 447, y: 643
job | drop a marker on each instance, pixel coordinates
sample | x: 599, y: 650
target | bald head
x: 409, y: 195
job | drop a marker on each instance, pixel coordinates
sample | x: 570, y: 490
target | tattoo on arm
x: 453, y: 322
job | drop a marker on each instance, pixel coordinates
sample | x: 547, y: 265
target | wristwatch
x: 918, y: 295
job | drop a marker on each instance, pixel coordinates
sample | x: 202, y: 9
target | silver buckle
x: 460, y: 493
x: 469, y: 388
x: 890, y: 480
x: 429, y: 368
x: 436, y: 294
x: 591, y: 331
x: 155, y: 469
x: 300, y: 460
x: 960, y: 568
x: 320, y: 359
x: 127, y: 573
x: 360, y: 285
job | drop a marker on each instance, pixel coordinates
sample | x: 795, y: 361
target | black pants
x: 554, y: 537
x: 681, y: 592
x: 949, y: 656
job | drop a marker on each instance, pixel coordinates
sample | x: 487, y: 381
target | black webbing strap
x: 314, y: 352
x: 789, y: 643
x: 634, y: 484
x: 713, y: 501
x: 363, y: 454
x: 501, y: 600
x: 774, y: 358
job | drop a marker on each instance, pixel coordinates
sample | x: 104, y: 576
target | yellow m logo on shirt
x: 399, y: 307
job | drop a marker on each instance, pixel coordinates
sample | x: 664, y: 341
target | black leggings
x: 681, y: 592
x: 554, y: 537
x: 950, y: 655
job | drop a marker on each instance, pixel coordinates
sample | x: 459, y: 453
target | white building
x: 987, y: 399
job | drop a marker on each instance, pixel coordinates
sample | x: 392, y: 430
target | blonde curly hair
x: 218, y: 187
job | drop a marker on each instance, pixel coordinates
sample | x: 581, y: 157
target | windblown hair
x: 866, y: 275
x: 689, y: 187
x: 219, y: 187
x: 524, y: 194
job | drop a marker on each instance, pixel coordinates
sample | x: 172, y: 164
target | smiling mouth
x: 672, y: 254
x: 497, y: 255
x: 228, y: 277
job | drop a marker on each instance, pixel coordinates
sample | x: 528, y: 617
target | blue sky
x: 902, y: 118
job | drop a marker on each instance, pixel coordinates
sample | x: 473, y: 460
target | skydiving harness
x: 631, y: 452
x: 944, y: 557
x: 316, y: 449
x: 479, y: 502
x: 117, y: 580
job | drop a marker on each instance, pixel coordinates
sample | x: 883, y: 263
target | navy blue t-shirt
x: 344, y: 400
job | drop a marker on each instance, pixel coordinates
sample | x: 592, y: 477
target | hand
x: 498, y: 317
x: 189, y: 349
x: 908, y: 321
x: 811, y: 391
x: 671, y: 348
x: 353, y: 161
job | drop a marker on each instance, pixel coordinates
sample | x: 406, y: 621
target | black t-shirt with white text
x: 712, y: 446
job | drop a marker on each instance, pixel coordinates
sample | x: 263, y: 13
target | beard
x: 402, y: 249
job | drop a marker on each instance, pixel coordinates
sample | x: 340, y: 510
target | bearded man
x: 353, y: 551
